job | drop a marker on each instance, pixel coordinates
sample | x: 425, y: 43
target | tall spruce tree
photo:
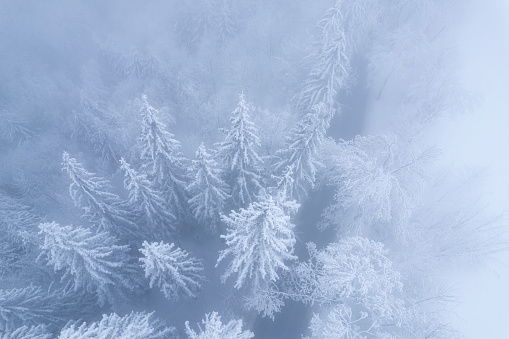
x: 136, y: 325
x: 148, y: 201
x: 172, y: 270
x: 240, y: 159
x: 162, y: 160
x: 330, y: 70
x: 260, y: 240
x: 302, y: 146
x: 33, y: 306
x: 103, y: 209
x: 207, y: 190
x: 213, y: 328
x: 90, y: 262
x: 27, y: 332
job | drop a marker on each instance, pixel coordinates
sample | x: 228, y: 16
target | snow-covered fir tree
x: 90, y: 262
x: 213, y: 328
x: 301, y: 150
x: 172, y: 270
x: 18, y: 259
x: 17, y: 254
x: 399, y: 222
x: 162, y: 160
x: 33, y: 306
x: 224, y: 19
x: 11, y: 257
x: 330, y: 70
x: 136, y: 325
x: 194, y: 21
x: 260, y: 240
x: 284, y: 184
x: 24, y: 306
x: 143, y: 197
x: 15, y: 216
x: 25, y: 332
x: 207, y: 190
x: 217, y: 20
x: 132, y: 63
x: 92, y: 124
x: 14, y: 130
x: 239, y: 156
x: 283, y: 191
x: 102, y: 208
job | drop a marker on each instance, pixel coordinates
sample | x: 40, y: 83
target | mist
x: 266, y: 169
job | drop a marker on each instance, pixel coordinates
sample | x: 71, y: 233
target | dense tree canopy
x: 136, y: 182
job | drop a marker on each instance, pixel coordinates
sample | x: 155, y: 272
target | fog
x: 481, y: 139
x: 324, y: 169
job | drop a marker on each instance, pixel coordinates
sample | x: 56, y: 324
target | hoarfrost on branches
x: 162, y: 160
x: 136, y: 325
x: 25, y: 332
x: 32, y: 306
x: 330, y: 72
x: 239, y: 156
x: 105, y: 210
x: 144, y: 198
x: 260, y: 240
x: 301, y: 150
x: 92, y: 262
x: 376, y: 181
x: 213, y: 328
x: 171, y: 269
x: 207, y: 190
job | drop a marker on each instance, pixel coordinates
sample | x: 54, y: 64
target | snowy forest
x: 223, y: 169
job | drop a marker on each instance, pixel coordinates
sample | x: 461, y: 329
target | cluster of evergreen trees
x: 230, y: 225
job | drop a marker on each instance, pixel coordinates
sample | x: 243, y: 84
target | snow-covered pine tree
x: 172, y: 270
x: 238, y: 153
x: 32, y: 306
x: 15, y: 259
x: 136, y: 325
x: 260, y: 239
x: 16, y: 216
x: 193, y: 22
x: 213, y: 328
x: 223, y: 19
x: 90, y: 262
x: 330, y: 71
x: 135, y: 63
x: 16, y: 256
x: 207, y: 190
x: 25, y: 332
x: 143, y: 197
x: 163, y: 162
x: 91, y: 126
x: 283, y: 191
x: 217, y: 20
x: 14, y: 130
x: 103, y: 209
x: 302, y: 146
